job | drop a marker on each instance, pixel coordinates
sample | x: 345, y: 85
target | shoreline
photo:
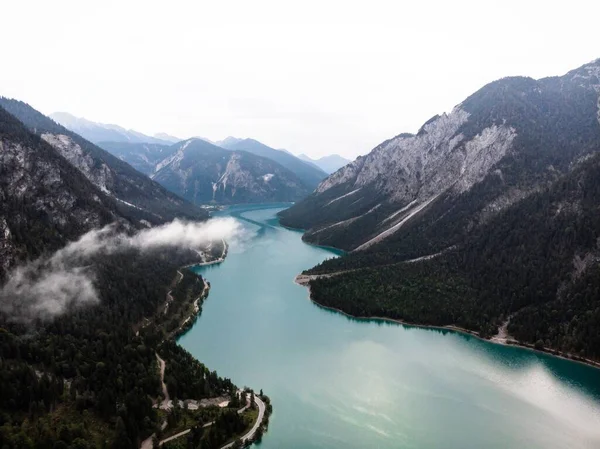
x: 450, y: 327
x: 187, y: 324
x: 334, y: 249
x: 211, y: 262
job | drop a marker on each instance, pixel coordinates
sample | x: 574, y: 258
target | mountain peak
x: 328, y: 164
x: 167, y: 137
x: 504, y: 138
x: 309, y: 174
x: 230, y: 140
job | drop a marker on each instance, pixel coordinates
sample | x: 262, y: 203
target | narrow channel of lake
x: 336, y: 382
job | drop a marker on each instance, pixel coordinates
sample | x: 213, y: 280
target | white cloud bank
x: 46, y: 287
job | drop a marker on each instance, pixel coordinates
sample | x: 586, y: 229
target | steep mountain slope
x: 328, y: 164
x: 82, y: 374
x: 308, y: 174
x: 135, y: 193
x: 420, y: 194
x: 144, y: 157
x: 534, y: 266
x: 101, y: 132
x: 202, y: 173
x: 44, y: 200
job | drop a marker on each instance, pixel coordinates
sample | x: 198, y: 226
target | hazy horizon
x: 319, y: 79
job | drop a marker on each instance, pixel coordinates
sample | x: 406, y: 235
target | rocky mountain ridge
x: 501, y: 144
x: 309, y: 174
x: 204, y: 173
x: 492, y: 225
x: 45, y: 201
x: 103, y: 132
x: 135, y: 194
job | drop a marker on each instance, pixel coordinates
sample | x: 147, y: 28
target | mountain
x: 167, y: 138
x: 80, y: 332
x: 533, y: 269
x: 328, y: 164
x: 486, y: 219
x: 135, y: 194
x: 101, y: 132
x: 44, y: 200
x: 205, y: 173
x: 501, y: 144
x: 202, y: 173
x: 310, y: 175
x: 144, y: 157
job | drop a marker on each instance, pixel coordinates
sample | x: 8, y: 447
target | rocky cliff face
x: 310, y: 175
x: 203, y: 173
x: 101, y: 175
x: 44, y: 201
x: 502, y: 143
x: 136, y: 195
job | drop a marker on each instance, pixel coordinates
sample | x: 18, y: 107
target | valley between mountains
x: 486, y: 220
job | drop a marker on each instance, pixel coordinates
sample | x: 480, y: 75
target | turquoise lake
x: 337, y: 382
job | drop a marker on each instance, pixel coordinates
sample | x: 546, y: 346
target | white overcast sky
x: 317, y: 77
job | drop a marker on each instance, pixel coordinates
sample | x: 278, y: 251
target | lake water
x: 337, y: 382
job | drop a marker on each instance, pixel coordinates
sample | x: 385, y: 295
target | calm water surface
x: 337, y: 382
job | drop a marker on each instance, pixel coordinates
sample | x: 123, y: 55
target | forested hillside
x: 487, y: 216
x: 85, y: 378
x: 535, y: 263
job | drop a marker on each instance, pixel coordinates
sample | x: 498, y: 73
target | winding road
x: 254, y: 428
x: 248, y: 435
x: 148, y: 443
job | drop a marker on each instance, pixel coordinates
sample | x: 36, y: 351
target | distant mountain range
x: 146, y: 154
x: 328, y: 164
x: 100, y: 132
x: 205, y: 173
x: 167, y: 137
x: 233, y: 171
x: 308, y: 173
